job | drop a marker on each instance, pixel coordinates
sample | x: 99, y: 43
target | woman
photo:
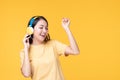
x: 39, y: 58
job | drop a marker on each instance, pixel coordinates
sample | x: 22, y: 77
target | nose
x: 44, y: 30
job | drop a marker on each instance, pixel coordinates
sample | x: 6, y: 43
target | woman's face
x: 40, y: 30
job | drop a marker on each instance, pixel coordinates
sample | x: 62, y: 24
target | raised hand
x: 65, y: 23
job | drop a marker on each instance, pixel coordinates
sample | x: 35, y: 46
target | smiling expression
x: 40, y: 31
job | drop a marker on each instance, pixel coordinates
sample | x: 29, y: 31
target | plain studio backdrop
x: 95, y: 25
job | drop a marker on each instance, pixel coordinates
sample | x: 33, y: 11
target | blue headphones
x: 30, y: 28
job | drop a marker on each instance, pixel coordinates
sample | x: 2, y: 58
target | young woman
x: 39, y: 58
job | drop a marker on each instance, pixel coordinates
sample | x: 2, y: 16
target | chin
x: 41, y: 40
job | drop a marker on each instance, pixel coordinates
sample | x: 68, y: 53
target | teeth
x: 43, y: 35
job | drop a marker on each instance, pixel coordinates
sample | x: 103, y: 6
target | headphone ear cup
x: 29, y: 30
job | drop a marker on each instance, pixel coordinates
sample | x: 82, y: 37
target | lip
x: 42, y: 35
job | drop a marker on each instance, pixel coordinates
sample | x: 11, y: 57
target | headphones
x: 30, y: 28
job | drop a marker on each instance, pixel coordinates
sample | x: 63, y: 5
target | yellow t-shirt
x: 44, y: 60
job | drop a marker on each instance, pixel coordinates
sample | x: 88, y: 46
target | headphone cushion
x: 29, y: 30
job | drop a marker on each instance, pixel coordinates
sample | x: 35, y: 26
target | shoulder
x: 52, y: 41
x: 56, y: 43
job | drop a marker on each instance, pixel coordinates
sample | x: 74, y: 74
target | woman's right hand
x: 26, y: 41
x: 26, y: 67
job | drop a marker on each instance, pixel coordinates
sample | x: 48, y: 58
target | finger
x: 28, y: 36
x: 68, y: 20
x: 27, y: 40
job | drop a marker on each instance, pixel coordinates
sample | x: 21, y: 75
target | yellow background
x: 94, y: 23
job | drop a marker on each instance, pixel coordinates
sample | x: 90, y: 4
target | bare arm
x: 73, y: 48
x: 26, y: 68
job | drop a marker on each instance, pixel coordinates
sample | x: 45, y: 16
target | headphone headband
x: 32, y: 20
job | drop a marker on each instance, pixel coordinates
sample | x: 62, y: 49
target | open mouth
x: 43, y: 35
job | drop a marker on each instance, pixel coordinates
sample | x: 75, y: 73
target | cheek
x: 47, y: 31
x: 36, y: 30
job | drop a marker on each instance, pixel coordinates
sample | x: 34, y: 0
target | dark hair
x: 36, y: 19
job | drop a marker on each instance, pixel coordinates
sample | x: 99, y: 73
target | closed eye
x: 46, y: 28
x: 40, y: 27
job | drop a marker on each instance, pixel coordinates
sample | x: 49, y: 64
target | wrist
x: 67, y: 29
x: 26, y: 48
x: 26, y: 51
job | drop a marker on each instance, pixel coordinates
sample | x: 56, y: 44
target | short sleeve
x: 60, y: 47
x: 21, y: 57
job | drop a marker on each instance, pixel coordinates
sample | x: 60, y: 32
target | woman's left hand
x: 65, y: 23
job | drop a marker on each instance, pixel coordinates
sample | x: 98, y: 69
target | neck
x: 37, y: 42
